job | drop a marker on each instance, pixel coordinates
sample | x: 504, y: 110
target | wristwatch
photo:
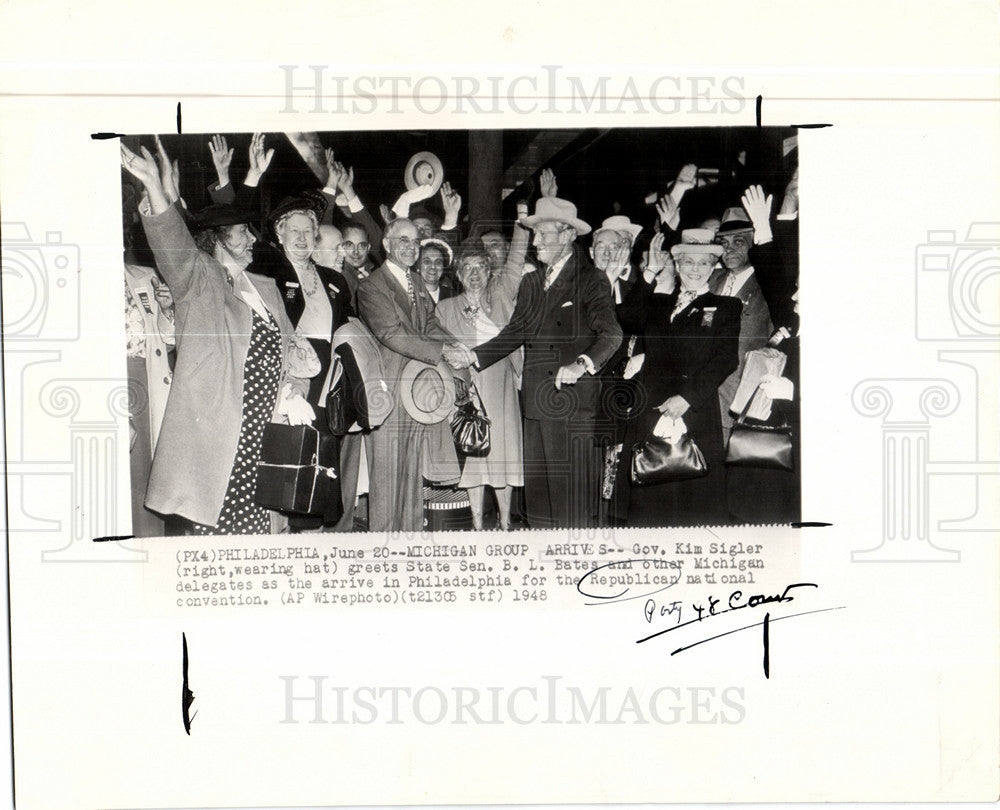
x: 581, y: 361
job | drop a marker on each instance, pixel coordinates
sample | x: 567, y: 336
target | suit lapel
x: 555, y: 293
x: 423, y: 301
x: 717, y: 279
x: 397, y: 292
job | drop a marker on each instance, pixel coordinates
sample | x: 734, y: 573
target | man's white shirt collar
x: 556, y: 269
x: 399, y: 274
x: 739, y: 279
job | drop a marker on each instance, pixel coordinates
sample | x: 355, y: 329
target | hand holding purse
x: 662, y: 459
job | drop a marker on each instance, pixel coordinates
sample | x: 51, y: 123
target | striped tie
x: 409, y: 289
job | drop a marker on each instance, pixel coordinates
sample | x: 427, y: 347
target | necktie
x: 549, y: 275
x: 685, y: 298
x: 409, y: 289
x: 730, y: 283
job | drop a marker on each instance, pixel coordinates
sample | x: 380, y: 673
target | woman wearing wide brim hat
x: 225, y: 231
x: 691, y: 340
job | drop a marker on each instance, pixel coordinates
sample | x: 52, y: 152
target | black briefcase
x: 298, y: 471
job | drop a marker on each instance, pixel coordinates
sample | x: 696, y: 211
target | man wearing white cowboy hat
x: 565, y: 319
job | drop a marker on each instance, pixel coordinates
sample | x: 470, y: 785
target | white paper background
x: 893, y: 698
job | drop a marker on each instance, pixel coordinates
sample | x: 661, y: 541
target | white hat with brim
x: 423, y: 169
x: 552, y: 209
x: 620, y: 223
x: 427, y: 391
x: 697, y: 241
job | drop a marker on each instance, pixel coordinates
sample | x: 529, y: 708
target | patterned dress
x: 261, y: 374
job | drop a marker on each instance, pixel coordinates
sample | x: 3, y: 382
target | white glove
x: 407, y: 198
x: 633, y: 365
x: 669, y: 429
x: 294, y: 407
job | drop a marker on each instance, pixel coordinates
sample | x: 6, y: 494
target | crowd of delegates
x: 574, y: 352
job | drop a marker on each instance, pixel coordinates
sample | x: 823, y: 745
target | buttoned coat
x: 575, y: 316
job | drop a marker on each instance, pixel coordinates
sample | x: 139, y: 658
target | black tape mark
x: 178, y: 118
x: 810, y: 126
x: 113, y: 538
x: 106, y: 136
x: 760, y: 103
x: 808, y: 524
x: 767, y: 645
x: 187, y: 696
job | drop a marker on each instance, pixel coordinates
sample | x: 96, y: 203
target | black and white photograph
x: 399, y: 331
x: 519, y: 405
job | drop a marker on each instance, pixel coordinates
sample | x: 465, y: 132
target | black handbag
x: 660, y: 461
x: 340, y: 414
x: 470, y: 426
x: 753, y: 443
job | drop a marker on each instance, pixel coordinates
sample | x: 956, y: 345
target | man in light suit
x: 737, y: 279
x: 565, y: 319
x: 395, y: 306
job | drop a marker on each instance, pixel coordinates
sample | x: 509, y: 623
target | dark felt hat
x: 308, y: 200
x: 219, y: 215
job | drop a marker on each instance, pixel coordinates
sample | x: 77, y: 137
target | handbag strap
x: 743, y: 414
x: 474, y: 391
x: 741, y: 419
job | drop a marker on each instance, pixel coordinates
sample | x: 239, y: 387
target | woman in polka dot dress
x: 238, y: 367
x: 261, y: 374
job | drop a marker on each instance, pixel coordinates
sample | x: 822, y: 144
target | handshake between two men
x: 461, y: 357
x: 458, y: 355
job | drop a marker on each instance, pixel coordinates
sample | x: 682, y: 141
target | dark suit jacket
x: 618, y: 395
x: 575, y: 316
x: 776, y: 269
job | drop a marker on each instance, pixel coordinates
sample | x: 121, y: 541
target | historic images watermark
x: 548, y: 701
x: 552, y: 89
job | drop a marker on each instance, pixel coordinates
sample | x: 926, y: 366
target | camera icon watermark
x: 41, y: 285
x: 957, y: 300
x: 958, y: 284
